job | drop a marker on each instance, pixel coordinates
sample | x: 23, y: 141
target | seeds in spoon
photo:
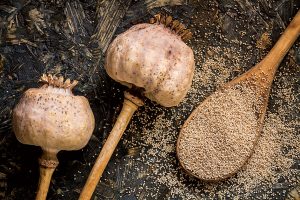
x: 221, y: 135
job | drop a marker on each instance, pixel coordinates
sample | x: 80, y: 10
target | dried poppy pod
x: 153, y: 57
x: 54, y: 119
x: 153, y: 61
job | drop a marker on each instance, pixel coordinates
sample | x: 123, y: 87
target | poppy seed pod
x: 54, y: 119
x: 155, y: 58
x: 153, y: 61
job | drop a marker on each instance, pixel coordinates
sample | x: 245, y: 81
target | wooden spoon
x: 259, y: 80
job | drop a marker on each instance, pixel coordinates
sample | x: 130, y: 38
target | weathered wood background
x: 70, y: 38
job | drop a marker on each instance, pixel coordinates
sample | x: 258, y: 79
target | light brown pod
x: 153, y: 57
x: 54, y: 119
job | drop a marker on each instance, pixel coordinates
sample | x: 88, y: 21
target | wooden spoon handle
x: 271, y: 62
x: 130, y: 105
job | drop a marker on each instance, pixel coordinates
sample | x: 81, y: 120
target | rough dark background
x: 69, y: 38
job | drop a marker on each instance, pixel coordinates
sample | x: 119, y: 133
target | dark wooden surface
x: 70, y: 38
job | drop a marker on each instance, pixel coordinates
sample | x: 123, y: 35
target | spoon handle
x: 271, y: 62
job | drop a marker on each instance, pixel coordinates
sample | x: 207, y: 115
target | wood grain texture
x: 109, y: 14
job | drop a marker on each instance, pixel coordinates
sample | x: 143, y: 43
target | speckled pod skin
x: 152, y: 57
x: 53, y: 118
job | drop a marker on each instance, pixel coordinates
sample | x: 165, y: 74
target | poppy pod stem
x: 130, y: 105
x: 48, y: 163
